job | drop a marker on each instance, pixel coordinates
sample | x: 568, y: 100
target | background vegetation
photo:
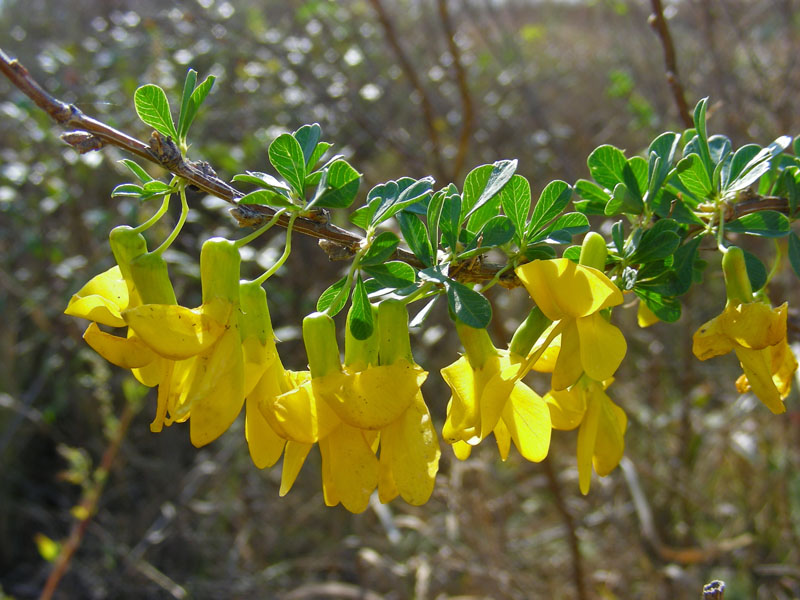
x: 710, y: 487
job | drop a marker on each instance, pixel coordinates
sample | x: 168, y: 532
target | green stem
x: 286, y: 251
x: 154, y: 219
x: 776, y: 264
x: 350, y: 275
x: 721, y: 228
x: 263, y: 229
x: 418, y: 294
x: 179, y: 225
x: 496, y: 277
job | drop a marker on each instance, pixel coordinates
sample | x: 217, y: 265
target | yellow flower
x: 488, y: 397
x: 602, y: 425
x: 757, y: 334
x: 204, y: 378
x: 574, y: 294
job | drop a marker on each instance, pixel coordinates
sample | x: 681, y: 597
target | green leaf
x: 618, y: 237
x: 361, y: 216
x: 137, y: 170
x: 188, y: 87
x: 756, y: 271
x: 319, y: 151
x: 794, y: 252
x: 263, y: 180
x: 572, y: 253
x: 693, y: 175
x: 286, y: 156
x: 195, y: 102
x: 359, y: 319
x: 381, y: 248
x: 434, y: 215
x: 156, y: 187
x: 594, y: 197
x: 392, y: 274
x: 469, y: 306
x: 540, y: 252
x: 127, y: 190
x: 665, y: 146
x: 308, y: 137
x: 515, y: 198
x: 450, y: 222
x: 338, y: 187
x: 552, y: 201
x: 416, y: 236
x: 399, y: 195
x: 423, y: 314
x: 765, y: 223
x: 741, y: 159
x: 683, y: 265
x: 666, y: 308
x: 656, y: 245
x: 606, y: 164
x: 635, y: 176
x: 152, y: 107
x: 329, y: 295
x: 497, y: 231
x: 267, y: 198
x: 623, y: 201
x: 702, y: 137
x: 565, y: 227
x: 483, y: 183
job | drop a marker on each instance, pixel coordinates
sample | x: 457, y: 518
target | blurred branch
x: 428, y: 113
x: 467, y: 111
x: 659, y: 25
x: 88, y: 505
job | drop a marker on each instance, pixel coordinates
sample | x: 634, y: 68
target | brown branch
x: 659, y: 25
x: 428, y: 114
x: 467, y: 111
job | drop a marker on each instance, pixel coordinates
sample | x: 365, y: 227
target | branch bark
x: 659, y: 25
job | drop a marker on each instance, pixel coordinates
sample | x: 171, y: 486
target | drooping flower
x: 755, y: 332
x: 574, y: 295
x: 602, y: 423
x: 204, y: 378
x: 488, y: 397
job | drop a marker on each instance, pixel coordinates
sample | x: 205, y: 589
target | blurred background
x: 710, y: 486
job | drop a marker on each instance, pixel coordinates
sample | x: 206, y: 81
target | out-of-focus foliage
x: 549, y: 82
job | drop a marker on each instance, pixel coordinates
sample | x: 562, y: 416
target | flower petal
x: 564, y: 289
x: 377, y: 396
x: 413, y: 452
x: 610, y: 443
x: 177, y: 332
x: 462, y: 450
x: 303, y: 416
x: 128, y: 353
x: 602, y: 347
x: 528, y: 421
x: 463, y: 412
x: 351, y: 466
x: 587, y: 437
x: 756, y: 365
x: 265, y: 445
x: 503, y: 439
x: 568, y: 367
x: 754, y: 325
x: 102, y: 299
x: 495, y: 396
x: 567, y: 407
x: 293, y: 458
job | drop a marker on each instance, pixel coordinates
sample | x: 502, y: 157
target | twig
x: 659, y: 25
x: 428, y: 114
x: 88, y: 505
x: 467, y: 112
x: 572, y: 536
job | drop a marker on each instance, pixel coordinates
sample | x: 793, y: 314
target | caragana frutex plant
x: 425, y: 242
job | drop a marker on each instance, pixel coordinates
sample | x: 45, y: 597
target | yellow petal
x: 783, y: 366
x: 177, y: 332
x: 462, y: 450
x: 387, y: 488
x: 644, y: 316
x: 602, y: 347
x: 128, y: 353
x: 265, y: 445
x: 754, y: 325
x: 546, y: 363
x: 528, y: 421
x: 568, y: 364
x: 303, y: 416
x: 610, y: 443
x: 102, y: 299
x: 564, y: 289
x: 710, y: 340
x: 162, y: 402
x: 351, y: 466
x: 567, y: 407
x: 152, y: 373
x: 503, y: 439
x: 293, y: 458
x: 587, y: 437
x: 257, y: 357
x: 464, y: 410
x: 220, y: 393
x: 377, y: 396
x: 756, y: 365
x: 413, y: 453
x: 495, y: 397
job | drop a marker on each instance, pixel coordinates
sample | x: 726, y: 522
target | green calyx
x: 529, y: 331
x: 360, y: 354
x: 151, y: 278
x: 477, y: 344
x: 393, y: 332
x: 737, y: 282
x: 219, y: 270
x: 322, y: 349
x: 593, y: 251
x: 254, y: 320
x: 126, y: 244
